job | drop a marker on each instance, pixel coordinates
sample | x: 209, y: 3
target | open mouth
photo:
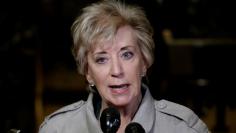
x: 122, y: 86
x: 119, y: 89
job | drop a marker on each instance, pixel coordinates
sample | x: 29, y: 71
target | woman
x: 113, y: 48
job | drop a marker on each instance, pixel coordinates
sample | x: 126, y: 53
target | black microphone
x: 134, y: 127
x: 110, y: 120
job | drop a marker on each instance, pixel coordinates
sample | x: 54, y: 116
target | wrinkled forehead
x: 124, y: 36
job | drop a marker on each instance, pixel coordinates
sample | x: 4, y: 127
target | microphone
x: 110, y: 120
x: 134, y: 127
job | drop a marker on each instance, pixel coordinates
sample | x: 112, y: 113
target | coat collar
x: 146, y: 112
x: 92, y: 122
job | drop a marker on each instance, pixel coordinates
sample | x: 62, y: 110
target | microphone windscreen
x: 134, y: 127
x: 110, y: 120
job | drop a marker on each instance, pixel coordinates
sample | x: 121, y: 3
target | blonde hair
x: 101, y: 21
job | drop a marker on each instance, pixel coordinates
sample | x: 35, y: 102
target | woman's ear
x: 144, y: 70
x: 89, y: 78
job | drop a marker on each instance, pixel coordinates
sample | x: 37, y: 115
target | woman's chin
x: 121, y: 101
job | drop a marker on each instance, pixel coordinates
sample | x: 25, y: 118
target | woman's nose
x: 117, y: 69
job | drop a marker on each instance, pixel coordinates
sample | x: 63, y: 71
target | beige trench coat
x: 155, y: 116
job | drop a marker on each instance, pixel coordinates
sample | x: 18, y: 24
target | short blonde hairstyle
x: 101, y: 21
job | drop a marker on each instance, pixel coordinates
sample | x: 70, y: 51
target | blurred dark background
x: 194, y: 65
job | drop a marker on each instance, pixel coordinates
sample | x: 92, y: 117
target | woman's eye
x: 101, y: 60
x: 127, y: 55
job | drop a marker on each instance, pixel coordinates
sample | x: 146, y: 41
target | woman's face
x: 115, y: 67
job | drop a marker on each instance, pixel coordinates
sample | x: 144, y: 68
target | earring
x: 143, y: 74
x: 91, y: 85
